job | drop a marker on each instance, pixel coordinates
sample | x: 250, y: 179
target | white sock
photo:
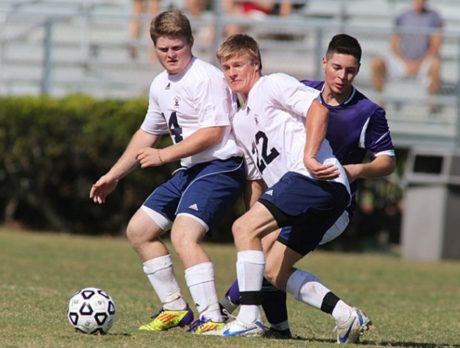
x: 250, y: 267
x: 341, y: 311
x: 200, y: 281
x: 306, y: 288
x: 161, y: 275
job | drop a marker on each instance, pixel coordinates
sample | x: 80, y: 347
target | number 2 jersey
x: 270, y: 127
x: 183, y: 103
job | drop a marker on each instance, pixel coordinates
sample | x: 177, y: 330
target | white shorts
x: 397, y: 69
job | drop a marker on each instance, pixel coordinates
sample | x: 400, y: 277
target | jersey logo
x: 168, y: 86
x: 176, y: 102
x: 269, y: 192
x: 194, y: 206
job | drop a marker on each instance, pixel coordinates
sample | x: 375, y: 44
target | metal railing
x: 301, y: 56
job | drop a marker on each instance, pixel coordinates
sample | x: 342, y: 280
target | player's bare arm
x: 382, y: 165
x: 199, y: 141
x: 125, y: 164
x: 316, y: 125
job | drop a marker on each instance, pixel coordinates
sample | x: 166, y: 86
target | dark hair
x: 345, y: 44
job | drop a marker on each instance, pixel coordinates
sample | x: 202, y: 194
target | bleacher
x: 59, y: 47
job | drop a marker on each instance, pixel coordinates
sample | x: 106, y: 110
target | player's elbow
x: 381, y: 166
x: 215, y: 135
x: 391, y: 166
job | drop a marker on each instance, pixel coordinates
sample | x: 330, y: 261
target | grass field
x: 412, y: 304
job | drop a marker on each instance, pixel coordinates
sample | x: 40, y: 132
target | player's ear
x: 323, y: 63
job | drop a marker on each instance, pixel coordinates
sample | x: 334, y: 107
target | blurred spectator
x: 140, y: 8
x: 203, y: 34
x: 254, y: 9
x: 412, y: 55
x: 195, y: 8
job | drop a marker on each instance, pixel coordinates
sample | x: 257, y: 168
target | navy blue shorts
x: 305, y: 209
x: 205, y: 191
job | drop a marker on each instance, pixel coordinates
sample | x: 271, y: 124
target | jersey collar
x: 348, y: 100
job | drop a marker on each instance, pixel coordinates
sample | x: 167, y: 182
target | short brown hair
x: 171, y: 23
x: 239, y: 44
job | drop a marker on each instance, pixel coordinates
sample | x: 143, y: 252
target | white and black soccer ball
x: 91, y: 311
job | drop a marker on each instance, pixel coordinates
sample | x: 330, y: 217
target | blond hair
x: 239, y: 44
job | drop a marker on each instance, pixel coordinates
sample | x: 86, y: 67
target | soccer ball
x: 91, y: 311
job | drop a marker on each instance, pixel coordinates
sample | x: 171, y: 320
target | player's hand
x: 149, y: 157
x: 321, y: 171
x: 101, y: 189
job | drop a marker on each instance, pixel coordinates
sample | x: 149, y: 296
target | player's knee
x: 239, y: 230
x: 137, y: 232
x: 182, y: 241
x: 132, y: 232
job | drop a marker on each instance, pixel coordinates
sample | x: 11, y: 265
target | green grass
x: 412, y: 304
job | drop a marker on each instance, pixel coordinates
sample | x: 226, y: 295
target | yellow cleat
x: 167, y: 319
x: 206, y: 327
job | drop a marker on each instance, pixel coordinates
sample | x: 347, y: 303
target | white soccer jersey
x: 196, y: 98
x: 270, y: 128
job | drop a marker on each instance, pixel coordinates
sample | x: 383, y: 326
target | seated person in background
x: 140, y: 8
x: 195, y: 8
x: 412, y: 54
x: 254, y: 9
x: 204, y: 34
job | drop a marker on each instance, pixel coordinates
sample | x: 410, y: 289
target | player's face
x: 339, y: 72
x: 241, y: 73
x: 174, y: 53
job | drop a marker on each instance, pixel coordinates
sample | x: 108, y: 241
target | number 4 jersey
x: 183, y: 103
x: 270, y: 127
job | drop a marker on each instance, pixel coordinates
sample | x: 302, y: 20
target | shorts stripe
x: 197, y: 219
x: 163, y: 222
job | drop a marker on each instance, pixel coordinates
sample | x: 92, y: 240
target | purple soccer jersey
x: 356, y: 127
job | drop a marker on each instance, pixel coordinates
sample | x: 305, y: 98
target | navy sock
x: 329, y: 302
x: 274, y: 303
